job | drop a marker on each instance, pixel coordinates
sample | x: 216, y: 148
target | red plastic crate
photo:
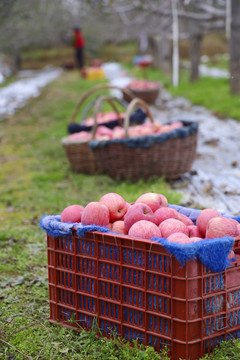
x: 137, y: 290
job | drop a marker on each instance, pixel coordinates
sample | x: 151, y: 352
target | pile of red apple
x: 103, y: 118
x: 139, y: 85
x: 104, y: 133
x: 149, y: 216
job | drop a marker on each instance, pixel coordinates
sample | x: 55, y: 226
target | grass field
x: 35, y: 179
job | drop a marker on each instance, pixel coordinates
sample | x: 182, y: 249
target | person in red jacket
x: 79, y: 44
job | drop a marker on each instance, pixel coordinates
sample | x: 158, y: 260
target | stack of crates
x: 135, y: 289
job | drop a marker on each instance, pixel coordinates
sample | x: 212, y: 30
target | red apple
x: 164, y: 213
x: 231, y: 255
x: 72, y: 213
x: 119, y: 227
x: 170, y: 226
x: 204, y: 218
x: 193, y: 231
x: 144, y: 229
x: 195, y: 239
x: 96, y: 213
x: 137, y: 212
x: 178, y: 237
x: 116, y: 205
x: 185, y: 219
x: 154, y: 200
x: 103, y: 131
x: 220, y: 227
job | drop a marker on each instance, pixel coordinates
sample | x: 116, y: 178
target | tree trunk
x: 194, y: 54
x: 15, y: 62
x: 235, y: 48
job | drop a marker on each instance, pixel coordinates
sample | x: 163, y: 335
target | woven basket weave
x: 168, y: 155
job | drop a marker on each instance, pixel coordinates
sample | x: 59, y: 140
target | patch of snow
x: 213, y: 72
x: 16, y: 95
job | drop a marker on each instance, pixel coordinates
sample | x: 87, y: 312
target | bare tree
x: 235, y: 48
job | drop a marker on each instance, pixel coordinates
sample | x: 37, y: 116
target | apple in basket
x: 95, y: 213
x: 116, y: 205
x: 103, y: 131
x: 82, y: 136
x: 142, y: 85
x: 170, y: 226
x: 164, y: 213
x: 220, y: 227
x: 179, y: 237
x: 72, y: 213
x: 119, y: 227
x: 154, y: 200
x: 137, y: 212
x: 144, y: 229
x: 204, y: 217
x: 118, y: 133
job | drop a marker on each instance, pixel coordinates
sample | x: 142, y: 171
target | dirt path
x: 215, y: 177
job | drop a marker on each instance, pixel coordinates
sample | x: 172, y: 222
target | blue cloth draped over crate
x: 213, y: 253
x: 147, y: 141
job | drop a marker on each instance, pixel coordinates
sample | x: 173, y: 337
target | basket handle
x: 97, y: 108
x: 130, y: 108
x: 111, y: 101
x: 91, y: 91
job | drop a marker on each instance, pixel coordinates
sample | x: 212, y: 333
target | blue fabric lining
x: 189, y: 128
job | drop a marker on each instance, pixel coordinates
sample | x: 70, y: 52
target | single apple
x: 185, y: 219
x: 203, y: 219
x: 116, y: 205
x: 137, y: 212
x: 178, y: 237
x: 220, y: 227
x: 144, y: 229
x: 231, y: 255
x: 164, y: 213
x: 193, y: 231
x: 72, y: 213
x: 170, y: 226
x: 154, y: 200
x: 96, y: 213
x: 119, y: 227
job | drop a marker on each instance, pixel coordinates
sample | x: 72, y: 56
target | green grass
x: 36, y: 179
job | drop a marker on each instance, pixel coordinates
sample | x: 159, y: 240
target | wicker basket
x: 79, y: 154
x: 170, y: 154
x: 148, y: 95
x: 137, y: 118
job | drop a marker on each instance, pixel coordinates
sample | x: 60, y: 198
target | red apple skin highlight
x: 203, y: 219
x: 119, y: 227
x: 116, y: 205
x: 220, y: 227
x: 144, y: 229
x: 164, y: 213
x: 138, y: 212
x: 194, y: 231
x: 179, y: 238
x: 154, y: 200
x: 72, y: 213
x: 95, y: 213
x: 170, y: 226
x: 185, y: 219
